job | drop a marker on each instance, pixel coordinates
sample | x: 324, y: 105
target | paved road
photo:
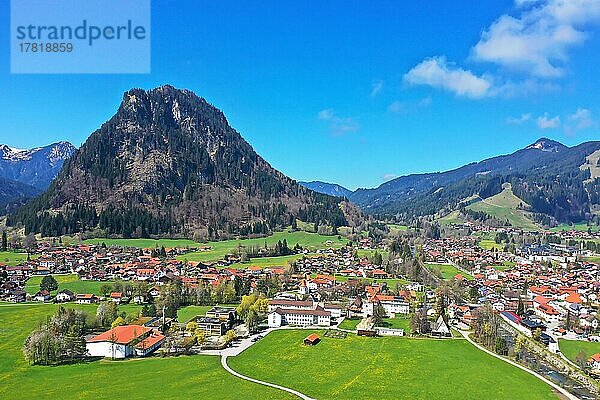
x: 292, y: 391
x: 554, y: 385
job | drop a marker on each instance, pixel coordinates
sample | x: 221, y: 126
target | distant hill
x: 169, y: 163
x: 505, y: 206
x: 35, y: 167
x: 551, y: 177
x: 331, y: 189
x: 25, y: 173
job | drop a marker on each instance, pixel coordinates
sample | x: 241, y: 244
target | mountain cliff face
x: 546, y: 174
x: 168, y: 163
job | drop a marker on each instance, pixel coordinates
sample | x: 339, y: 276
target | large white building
x: 391, y: 304
x: 299, y: 317
x: 125, y: 341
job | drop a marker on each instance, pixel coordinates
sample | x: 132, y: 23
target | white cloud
x: 338, y: 125
x: 582, y: 118
x: 545, y: 122
x: 402, y: 107
x: 518, y: 120
x: 376, y: 88
x: 538, y: 41
x: 438, y: 73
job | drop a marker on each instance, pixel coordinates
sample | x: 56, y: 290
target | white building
x: 392, y: 305
x: 124, y: 341
x: 290, y: 304
x: 299, y: 317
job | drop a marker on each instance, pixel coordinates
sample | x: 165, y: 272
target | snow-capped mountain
x: 35, y: 167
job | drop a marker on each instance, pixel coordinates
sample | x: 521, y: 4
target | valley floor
x: 354, y: 367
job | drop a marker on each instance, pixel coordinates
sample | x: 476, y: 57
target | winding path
x: 292, y: 391
x: 552, y: 384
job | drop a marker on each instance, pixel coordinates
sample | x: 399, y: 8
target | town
x: 541, y: 287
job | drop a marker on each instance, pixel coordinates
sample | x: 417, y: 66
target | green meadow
x: 505, y: 206
x: 385, y: 368
x: 448, y: 271
x: 263, y: 262
x: 67, y: 281
x: 310, y: 241
x: 488, y: 244
x: 570, y: 348
x: 145, y: 243
x: 143, y: 379
x: 11, y: 258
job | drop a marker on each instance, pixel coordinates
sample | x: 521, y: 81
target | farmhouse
x: 86, y: 298
x: 42, y: 295
x: 125, y: 341
x: 65, y: 295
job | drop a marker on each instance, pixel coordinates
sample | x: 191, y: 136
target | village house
x: 42, y: 295
x: 64, y: 296
x: 86, y: 298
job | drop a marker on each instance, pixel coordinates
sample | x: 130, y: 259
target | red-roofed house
x: 124, y: 341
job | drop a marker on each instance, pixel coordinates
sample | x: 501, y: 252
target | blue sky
x: 348, y: 91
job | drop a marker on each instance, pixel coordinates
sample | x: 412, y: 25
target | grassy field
x: 312, y: 241
x: 184, y: 314
x: 145, y: 243
x: 448, y: 271
x: 400, y: 322
x: 452, y: 218
x: 488, y: 244
x: 350, y: 323
x: 263, y: 262
x: 370, y: 253
x: 592, y: 259
x: 570, y: 348
x: 168, y: 378
x: 504, y: 206
x: 397, y: 228
x: 386, y: 368
x: 505, y: 265
x: 11, y: 258
x: 580, y: 226
x: 67, y: 281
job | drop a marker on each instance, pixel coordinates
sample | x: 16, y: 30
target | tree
x: 501, y: 347
x: 244, y: 306
x: 191, y: 327
x: 106, y: 313
x: 378, y: 314
x: 230, y: 336
x: 581, y: 359
x: 521, y: 308
x: 4, y: 245
x: 200, y: 337
x: 105, y: 289
x: 48, y: 283
x: 261, y: 306
x: 30, y: 242
x: 252, y: 320
x: 117, y: 322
